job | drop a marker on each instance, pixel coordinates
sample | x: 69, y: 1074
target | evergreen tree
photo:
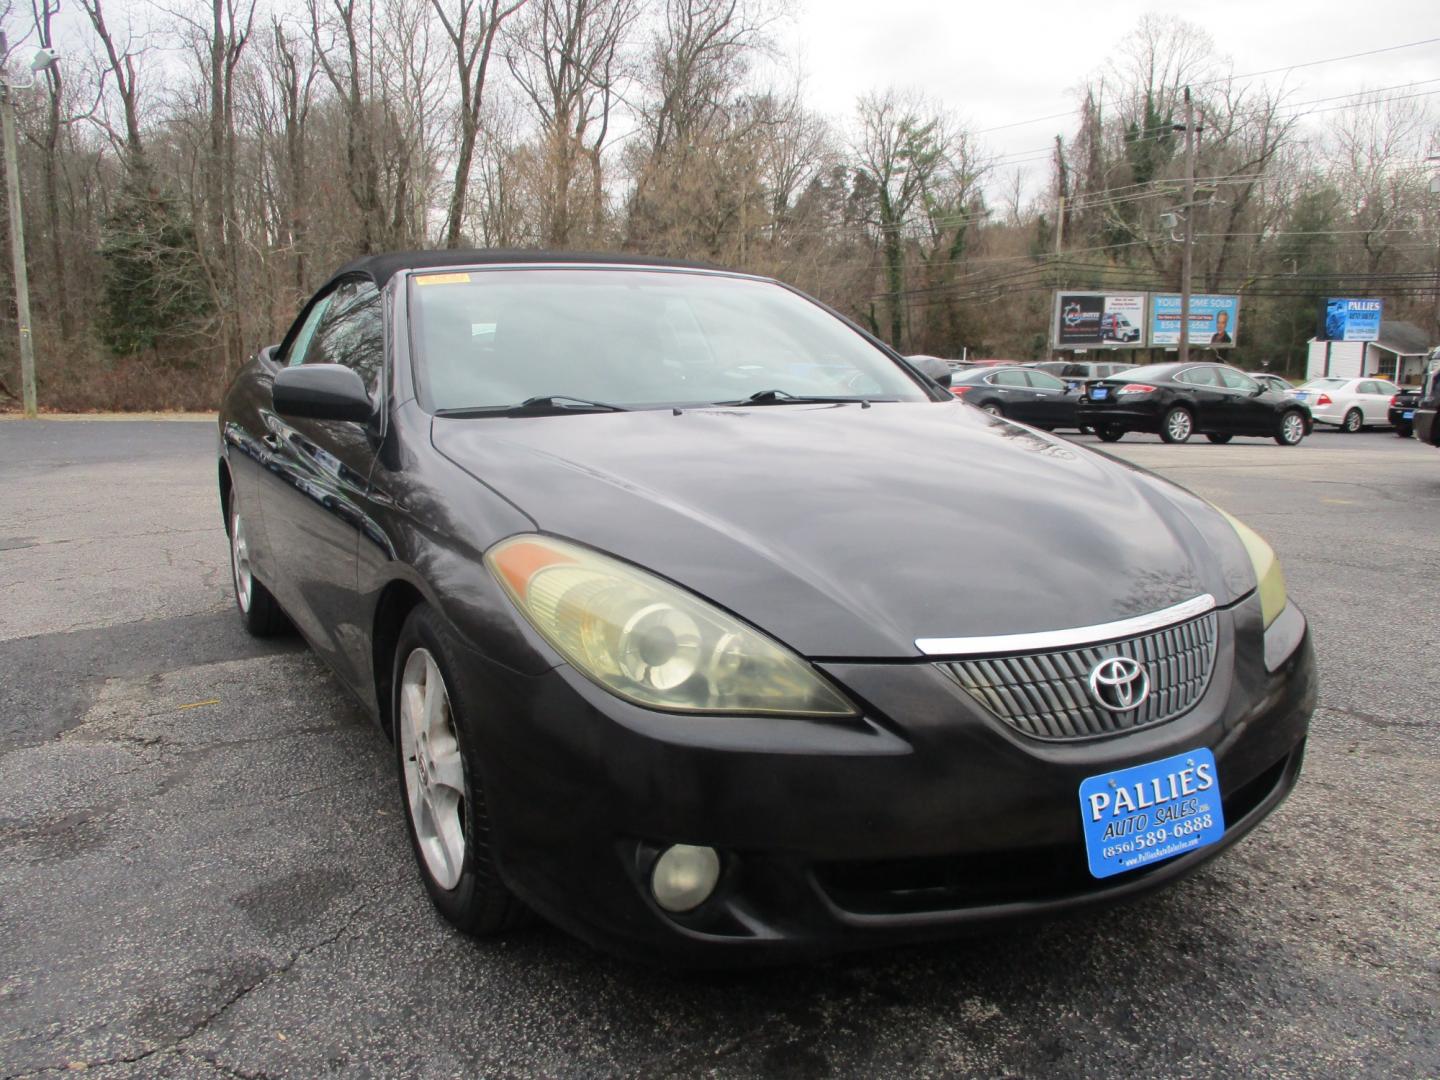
x: 154, y: 295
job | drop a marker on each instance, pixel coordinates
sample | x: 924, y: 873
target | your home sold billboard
x: 1097, y: 320
x: 1214, y: 320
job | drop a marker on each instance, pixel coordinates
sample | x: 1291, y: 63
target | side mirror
x: 322, y: 392
x: 932, y: 367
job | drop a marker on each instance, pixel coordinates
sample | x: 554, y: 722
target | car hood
x: 850, y: 532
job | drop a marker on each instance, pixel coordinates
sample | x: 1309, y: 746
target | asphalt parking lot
x: 203, y: 870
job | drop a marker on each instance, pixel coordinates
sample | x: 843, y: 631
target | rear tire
x: 260, y: 614
x: 1353, y: 422
x: 993, y: 409
x: 1291, y: 429
x: 1404, y: 431
x: 437, y: 759
x: 1110, y: 433
x: 1177, y: 425
x: 1217, y: 437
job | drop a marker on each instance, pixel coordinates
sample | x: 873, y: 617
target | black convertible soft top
x: 382, y: 267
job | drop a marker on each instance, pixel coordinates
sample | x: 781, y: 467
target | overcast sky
x: 1000, y: 62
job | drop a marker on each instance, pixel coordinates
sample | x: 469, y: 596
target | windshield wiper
x: 784, y: 397
x: 544, y: 404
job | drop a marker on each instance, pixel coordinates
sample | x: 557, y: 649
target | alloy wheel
x: 1179, y: 425
x: 434, y: 773
x: 1353, y: 421
x: 1292, y: 428
x: 240, y: 561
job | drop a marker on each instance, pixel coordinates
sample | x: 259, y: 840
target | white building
x: 1399, y: 355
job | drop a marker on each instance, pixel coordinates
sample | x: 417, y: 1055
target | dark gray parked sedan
x: 610, y: 548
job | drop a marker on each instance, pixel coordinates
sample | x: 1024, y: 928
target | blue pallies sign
x: 1137, y: 816
x: 1352, y: 320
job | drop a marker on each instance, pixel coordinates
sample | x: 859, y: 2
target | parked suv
x: 1402, y: 411
x: 1427, y: 428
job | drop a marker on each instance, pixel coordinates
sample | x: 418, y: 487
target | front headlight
x: 651, y: 642
x: 1268, y: 574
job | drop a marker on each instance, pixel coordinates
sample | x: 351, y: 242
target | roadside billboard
x: 1098, y: 320
x: 1350, y: 320
x: 1214, y: 320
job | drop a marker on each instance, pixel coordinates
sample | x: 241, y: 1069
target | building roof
x: 382, y: 267
x: 1403, y: 338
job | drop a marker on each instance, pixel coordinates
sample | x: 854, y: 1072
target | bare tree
x: 905, y: 148
x: 123, y: 72
x: 568, y: 60
x: 471, y: 26
x: 339, y: 32
x: 292, y: 68
x: 44, y: 11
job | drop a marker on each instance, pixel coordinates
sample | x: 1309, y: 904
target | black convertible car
x: 611, y: 550
x: 1177, y: 400
x: 1024, y: 394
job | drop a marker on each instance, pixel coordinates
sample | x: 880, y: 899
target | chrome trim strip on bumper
x: 1047, y: 640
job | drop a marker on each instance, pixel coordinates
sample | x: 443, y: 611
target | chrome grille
x: 1047, y: 694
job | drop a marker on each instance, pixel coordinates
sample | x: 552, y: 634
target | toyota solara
x: 641, y: 567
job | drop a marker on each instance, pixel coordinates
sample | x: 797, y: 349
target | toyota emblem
x: 1119, y: 684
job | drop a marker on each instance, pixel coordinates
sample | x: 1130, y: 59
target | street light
x: 44, y: 58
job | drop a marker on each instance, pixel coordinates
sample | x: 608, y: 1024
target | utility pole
x: 1434, y: 161
x: 43, y: 59
x: 1185, y: 255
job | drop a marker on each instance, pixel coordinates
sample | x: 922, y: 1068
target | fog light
x: 684, y: 877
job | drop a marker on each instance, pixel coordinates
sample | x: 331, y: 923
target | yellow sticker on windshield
x: 443, y: 279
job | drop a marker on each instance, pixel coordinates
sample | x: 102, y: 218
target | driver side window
x: 351, y: 332
x: 301, y: 345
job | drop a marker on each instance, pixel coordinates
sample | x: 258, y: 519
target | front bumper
x: 923, y: 819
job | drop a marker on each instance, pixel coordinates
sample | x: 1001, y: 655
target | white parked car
x: 1349, y: 404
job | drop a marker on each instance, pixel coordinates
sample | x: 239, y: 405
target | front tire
x: 1291, y: 429
x: 437, y: 758
x: 1178, y: 425
x: 1353, y: 422
x: 260, y: 613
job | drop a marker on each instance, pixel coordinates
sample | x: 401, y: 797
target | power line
x: 1231, y: 78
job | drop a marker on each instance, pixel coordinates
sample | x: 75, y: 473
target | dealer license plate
x: 1099, y: 393
x: 1147, y: 813
x: 1408, y: 414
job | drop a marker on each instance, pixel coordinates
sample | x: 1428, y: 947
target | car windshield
x: 1321, y: 384
x: 496, y: 338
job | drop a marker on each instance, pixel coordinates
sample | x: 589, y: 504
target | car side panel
x: 249, y: 458
x: 315, y: 502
